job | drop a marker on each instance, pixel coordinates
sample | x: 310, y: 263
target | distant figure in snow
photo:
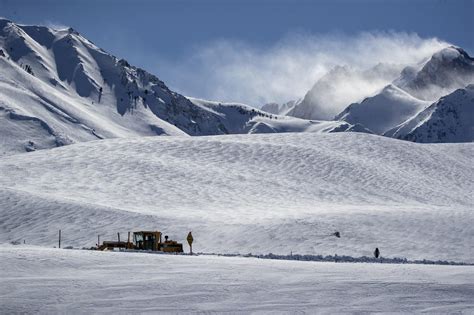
x: 100, y: 93
x: 376, y: 252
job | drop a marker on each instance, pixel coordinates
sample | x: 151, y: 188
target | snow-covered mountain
x: 381, y: 112
x: 451, y: 119
x: 447, y: 70
x: 340, y: 87
x: 279, y: 109
x: 240, y: 118
x: 412, y: 92
x: 59, y: 88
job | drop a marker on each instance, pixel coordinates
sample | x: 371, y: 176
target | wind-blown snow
x: 409, y: 97
x: 231, y: 70
x: 340, y: 87
x: 449, y: 69
x: 249, y: 193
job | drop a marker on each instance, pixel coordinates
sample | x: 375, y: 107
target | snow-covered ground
x: 41, y: 280
x: 276, y: 193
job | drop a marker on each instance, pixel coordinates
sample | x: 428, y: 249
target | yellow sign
x: 190, y: 238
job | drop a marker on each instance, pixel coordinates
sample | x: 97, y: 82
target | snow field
x: 277, y: 193
x: 72, y: 281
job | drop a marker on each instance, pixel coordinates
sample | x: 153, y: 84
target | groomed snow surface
x: 49, y: 281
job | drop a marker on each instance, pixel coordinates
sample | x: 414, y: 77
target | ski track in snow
x: 71, y: 281
x: 249, y: 193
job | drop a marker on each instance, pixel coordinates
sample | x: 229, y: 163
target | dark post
x: 98, y: 240
x: 128, y: 241
x: 59, y: 238
x: 118, y: 235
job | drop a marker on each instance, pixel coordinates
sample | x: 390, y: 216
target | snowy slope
x: 416, y: 88
x: 50, y: 281
x: 249, y: 193
x: 31, y: 110
x: 447, y: 70
x: 451, y: 119
x: 279, y: 109
x: 381, y: 112
x: 73, y: 91
x: 239, y: 118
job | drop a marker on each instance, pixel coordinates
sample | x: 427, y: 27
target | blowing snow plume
x: 238, y: 71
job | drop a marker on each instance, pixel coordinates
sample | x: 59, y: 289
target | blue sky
x: 166, y: 36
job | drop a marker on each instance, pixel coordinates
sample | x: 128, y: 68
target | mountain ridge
x: 59, y: 88
x: 414, y: 91
x: 447, y: 120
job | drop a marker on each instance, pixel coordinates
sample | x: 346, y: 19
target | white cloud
x: 229, y: 70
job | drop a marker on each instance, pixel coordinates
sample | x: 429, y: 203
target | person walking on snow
x: 376, y: 252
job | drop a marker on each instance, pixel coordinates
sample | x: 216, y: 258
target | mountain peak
x: 4, y: 21
x: 447, y: 70
x: 72, y: 31
x: 451, y: 53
